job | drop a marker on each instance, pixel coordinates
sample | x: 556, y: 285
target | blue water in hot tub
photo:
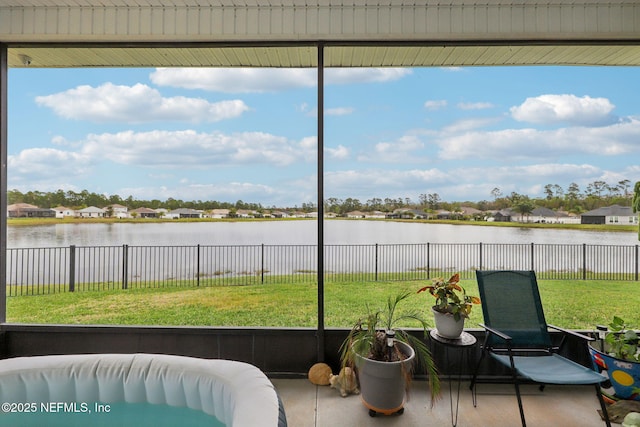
x: 62, y: 414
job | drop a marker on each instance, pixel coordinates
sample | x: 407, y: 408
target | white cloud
x: 471, y: 183
x: 539, y: 172
x: 405, y: 149
x: 136, y: 104
x: 47, y: 162
x: 469, y: 124
x: 248, y: 80
x: 188, y: 148
x: 433, y: 105
x: 339, y: 153
x: 41, y: 168
x: 364, y: 75
x: 224, y: 191
x: 509, y: 144
x: 235, y: 80
x: 382, y: 183
x: 550, y: 109
x: 475, y: 105
x: 338, y: 111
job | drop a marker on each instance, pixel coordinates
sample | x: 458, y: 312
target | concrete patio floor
x: 307, y: 405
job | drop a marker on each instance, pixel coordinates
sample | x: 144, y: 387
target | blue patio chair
x: 517, y: 336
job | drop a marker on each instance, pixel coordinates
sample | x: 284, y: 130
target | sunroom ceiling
x: 285, y: 33
x: 306, y: 56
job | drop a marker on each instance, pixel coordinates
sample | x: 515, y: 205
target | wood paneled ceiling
x: 285, y: 33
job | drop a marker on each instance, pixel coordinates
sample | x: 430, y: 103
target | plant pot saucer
x: 373, y: 411
x: 465, y: 338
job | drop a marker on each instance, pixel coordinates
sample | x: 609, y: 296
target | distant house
x: 568, y: 218
x: 280, y: 214
x: 63, y: 212
x: 503, y: 215
x: 376, y: 215
x: 25, y: 210
x: 15, y: 210
x: 544, y: 215
x: 143, y: 213
x: 549, y: 216
x: 118, y: 211
x: 443, y: 214
x: 298, y: 214
x: 610, y: 215
x: 245, y: 213
x: 355, y: 214
x: 183, y: 213
x: 91, y: 212
x: 469, y: 211
x: 405, y: 213
x: 219, y: 213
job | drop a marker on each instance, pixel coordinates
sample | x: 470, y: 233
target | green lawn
x: 571, y: 304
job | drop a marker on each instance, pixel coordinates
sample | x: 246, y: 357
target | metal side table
x: 460, y: 344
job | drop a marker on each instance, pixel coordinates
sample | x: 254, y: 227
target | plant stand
x: 461, y: 344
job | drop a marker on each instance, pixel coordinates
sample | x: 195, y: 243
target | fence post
x: 480, y: 254
x: 636, y: 250
x: 584, y: 261
x: 376, y: 266
x: 198, y: 265
x: 262, y: 264
x: 428, y: 260
x: 125, y: 261
x: 532, y: 258
x: 72, y: 268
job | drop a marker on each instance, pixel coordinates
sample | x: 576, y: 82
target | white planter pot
x: 447, y: 326
x: 382, y: 384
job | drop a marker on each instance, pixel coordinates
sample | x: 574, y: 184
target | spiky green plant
x: 367, y: 338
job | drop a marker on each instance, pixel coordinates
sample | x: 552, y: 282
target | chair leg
x: 472, y: 386
x: 603, y: 406
x: 517, y: 385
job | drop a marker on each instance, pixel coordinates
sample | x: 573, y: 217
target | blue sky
x: 250, y: 134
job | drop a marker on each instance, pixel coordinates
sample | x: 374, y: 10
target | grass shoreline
x: 571, y: 304
x: 22, y: 222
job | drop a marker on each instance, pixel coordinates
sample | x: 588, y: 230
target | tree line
x: 572, y: 199
x: 84, y: 198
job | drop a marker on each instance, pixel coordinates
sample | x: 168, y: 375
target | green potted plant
x: 619, y: 357
x: 452, y: 305
x: 384, y: 356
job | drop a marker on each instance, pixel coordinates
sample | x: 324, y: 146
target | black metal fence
x: 34, y: 271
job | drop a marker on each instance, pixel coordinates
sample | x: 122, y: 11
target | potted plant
x: 619, y: 357
x: 384, y: 356
x: 452, y: 306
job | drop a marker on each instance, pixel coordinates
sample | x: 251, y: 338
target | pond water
x: 336, y: 232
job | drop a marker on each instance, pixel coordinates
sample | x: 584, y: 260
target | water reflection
x: 337, y: 232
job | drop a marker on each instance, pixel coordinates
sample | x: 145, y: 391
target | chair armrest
x: 496, y: 332
x: 573, y: 333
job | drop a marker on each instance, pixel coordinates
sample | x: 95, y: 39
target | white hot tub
x: 236, y: 393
